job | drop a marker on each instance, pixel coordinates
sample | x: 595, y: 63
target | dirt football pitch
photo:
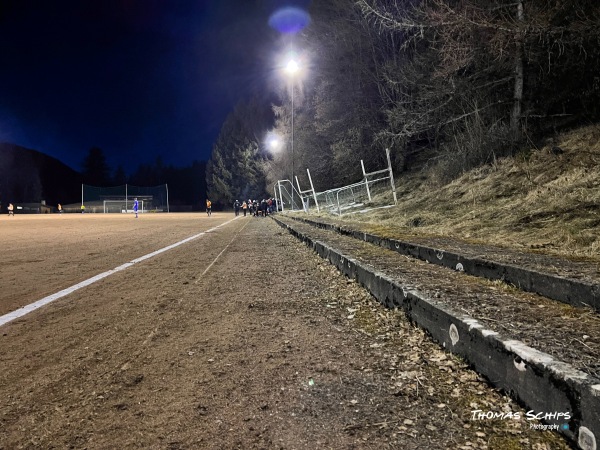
x: 182, y: 331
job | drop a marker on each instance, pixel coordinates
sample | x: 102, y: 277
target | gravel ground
x: 569, y: 334
x: 242, y: 338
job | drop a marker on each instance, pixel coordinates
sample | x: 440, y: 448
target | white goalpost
x: 120, y: 199
x: 122, y: 206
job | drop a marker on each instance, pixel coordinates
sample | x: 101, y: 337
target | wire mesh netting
x: 95, y: 198
x: 365, y: 194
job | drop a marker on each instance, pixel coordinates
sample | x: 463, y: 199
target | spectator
x: 263, y: 208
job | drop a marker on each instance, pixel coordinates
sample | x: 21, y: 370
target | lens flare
x: 289, y: 20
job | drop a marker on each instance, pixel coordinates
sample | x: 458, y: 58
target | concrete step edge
x: 566, y: 290
x: 534, y: 378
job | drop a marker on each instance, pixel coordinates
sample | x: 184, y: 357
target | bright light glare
x: 274, y: 142
x: 292, y: 67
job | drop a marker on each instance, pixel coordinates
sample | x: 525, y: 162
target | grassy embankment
x: 545, y: 199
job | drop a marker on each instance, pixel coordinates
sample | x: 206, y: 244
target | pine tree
x: 235, y: 168
x: 95, y: 169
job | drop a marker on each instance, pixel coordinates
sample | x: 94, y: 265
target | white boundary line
x: 222, y: 251
x: 50, y: 298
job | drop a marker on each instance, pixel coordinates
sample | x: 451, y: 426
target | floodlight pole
x: 167, y: 188
x: 292, y: 145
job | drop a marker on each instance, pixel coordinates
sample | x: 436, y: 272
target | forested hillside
x: 545, y: 199
x: 236, y: 168
x: 445, y: 85
x: 30, y: 176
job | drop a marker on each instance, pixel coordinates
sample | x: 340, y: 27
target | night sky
x: 137, y: 78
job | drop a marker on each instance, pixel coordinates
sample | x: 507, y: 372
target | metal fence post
x: 362, y: 164
x: 387, y: 152
x: 312, y: 187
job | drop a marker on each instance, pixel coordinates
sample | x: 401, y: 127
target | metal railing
x: 345, y: 198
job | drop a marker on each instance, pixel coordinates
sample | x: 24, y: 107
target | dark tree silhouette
x: 235, y: 170
x: 96, y: 171
x: 120, y: 177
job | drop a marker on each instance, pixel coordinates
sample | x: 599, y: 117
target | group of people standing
x: 263, y: 208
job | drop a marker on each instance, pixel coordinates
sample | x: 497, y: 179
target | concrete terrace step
x: 575, y: 283
x: 534, y: 357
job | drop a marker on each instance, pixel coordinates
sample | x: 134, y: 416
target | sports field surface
x: 43, y: 254
x: 182, y: 331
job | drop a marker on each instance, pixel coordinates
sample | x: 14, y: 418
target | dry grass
x: 543, y: 199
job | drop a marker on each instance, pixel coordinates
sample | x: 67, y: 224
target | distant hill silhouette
x: 28, y: 176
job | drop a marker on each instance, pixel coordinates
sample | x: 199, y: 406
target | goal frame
x: 126, y: 203
x: 155, y: 198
